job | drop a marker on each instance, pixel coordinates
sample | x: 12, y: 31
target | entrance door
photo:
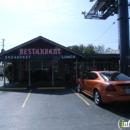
x: 47, y: 70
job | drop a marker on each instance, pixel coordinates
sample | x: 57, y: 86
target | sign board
x: 38, y: 57
x: 40, y: 51
x: 39, y: 54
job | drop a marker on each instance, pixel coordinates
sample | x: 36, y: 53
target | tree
x: 77, y: 48
x: 100, y: 49
x: 81, y: 48
x: 90, y: 49
x: 109, y: 50
x: 74, y: 48
x: 8, y: 72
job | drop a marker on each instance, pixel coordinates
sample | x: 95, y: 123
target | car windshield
x: 115, y: 76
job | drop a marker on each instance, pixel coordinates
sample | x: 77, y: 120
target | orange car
x: 105, y: 86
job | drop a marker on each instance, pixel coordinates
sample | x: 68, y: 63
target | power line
x: 103, y: 32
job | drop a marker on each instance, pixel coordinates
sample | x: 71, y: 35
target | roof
x: 102, y: 56
x: 43, y: 39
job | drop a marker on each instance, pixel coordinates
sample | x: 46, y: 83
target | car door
x: 89, y: 82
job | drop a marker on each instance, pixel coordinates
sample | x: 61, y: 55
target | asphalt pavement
x: 56, y: 110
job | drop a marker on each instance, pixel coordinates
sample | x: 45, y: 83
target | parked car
x: 105, y: 86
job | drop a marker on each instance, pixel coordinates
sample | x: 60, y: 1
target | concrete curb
x: 39, y: 88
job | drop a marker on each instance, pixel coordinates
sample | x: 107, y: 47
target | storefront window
x: 35, y: 65
x: 67, y: 69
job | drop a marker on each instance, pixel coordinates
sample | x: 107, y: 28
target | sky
x: 58, y: 20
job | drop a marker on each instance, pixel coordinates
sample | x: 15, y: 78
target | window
x: 91, y: 76
x: 105, y: 77
x: 114, y: 76
x: 119, y: 77
x: 35, y: 65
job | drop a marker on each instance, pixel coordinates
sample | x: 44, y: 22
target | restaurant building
x: 42, y: 62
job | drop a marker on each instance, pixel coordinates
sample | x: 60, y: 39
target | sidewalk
x: 15, y: 86
x: 2, y: 82
x: 9, y: 86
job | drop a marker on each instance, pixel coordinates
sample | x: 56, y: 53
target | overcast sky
x: 58, y: 20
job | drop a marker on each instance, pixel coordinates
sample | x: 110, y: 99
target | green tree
x: 8, y: 73
x: 81, y: 48
x: 100, y: 49
x: 109, y: 50
x: 74, y: 48
x: 90, y: 49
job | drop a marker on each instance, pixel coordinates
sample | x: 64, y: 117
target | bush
x: 8, y: 73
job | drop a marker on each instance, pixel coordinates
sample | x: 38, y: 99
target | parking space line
x: 81, y: 98
x: 25, y: 101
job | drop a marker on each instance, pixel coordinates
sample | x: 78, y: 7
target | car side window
x: 86, y: 76
x: 91, y: 76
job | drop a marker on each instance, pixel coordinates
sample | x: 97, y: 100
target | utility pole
x: 124, y: 30
x: 2, y: 50
x: 109, y: 8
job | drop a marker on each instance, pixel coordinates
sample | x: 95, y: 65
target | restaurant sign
x: 40, y: 51
x: 68, y: 57
x: 11, y: 57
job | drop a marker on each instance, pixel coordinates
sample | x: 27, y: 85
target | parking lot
x: 37, y: 109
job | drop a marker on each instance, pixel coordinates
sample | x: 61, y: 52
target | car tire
x: 78, y: 88
x: 97, y: 98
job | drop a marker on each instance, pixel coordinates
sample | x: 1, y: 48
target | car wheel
x: 78, y: 88
x: 97, y: 98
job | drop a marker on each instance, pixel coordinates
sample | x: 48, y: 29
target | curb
x: 50, y: 88
x: 13, y: 88
x: 39, y: 88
